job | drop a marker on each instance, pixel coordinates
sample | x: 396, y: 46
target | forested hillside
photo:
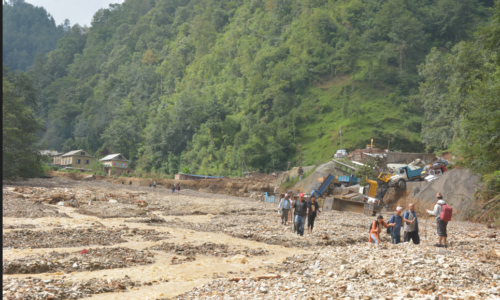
x: 27, y: 30
x: 215, y: 85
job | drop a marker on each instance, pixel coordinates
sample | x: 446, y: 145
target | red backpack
x: 446, y: 212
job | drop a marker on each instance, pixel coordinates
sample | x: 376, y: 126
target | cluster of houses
x: 114, y: 164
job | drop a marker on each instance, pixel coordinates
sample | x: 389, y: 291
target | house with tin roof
x: 79, y: 159
x: 115, y: 164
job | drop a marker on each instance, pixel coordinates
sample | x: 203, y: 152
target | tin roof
x: 75, y: 152
x: 113, y: 157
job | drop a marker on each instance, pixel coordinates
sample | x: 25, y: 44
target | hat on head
x: 290, y: 191
x: 301, y: 195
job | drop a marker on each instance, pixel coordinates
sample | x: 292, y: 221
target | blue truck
x: 349, y: 180
x: 404, y: 174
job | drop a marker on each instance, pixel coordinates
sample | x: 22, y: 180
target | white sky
x: 77, y: 11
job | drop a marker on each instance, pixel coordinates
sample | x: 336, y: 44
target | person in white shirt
x: 284, y: 209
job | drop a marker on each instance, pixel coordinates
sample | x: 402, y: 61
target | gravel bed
x: 78, y: 237
x: 79, y: 261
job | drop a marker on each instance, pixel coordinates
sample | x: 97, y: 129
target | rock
x: 237, y: 259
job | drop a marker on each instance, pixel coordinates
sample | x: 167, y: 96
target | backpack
x: 446, y: 213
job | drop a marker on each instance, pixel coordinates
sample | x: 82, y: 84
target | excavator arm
x: 373, y: 187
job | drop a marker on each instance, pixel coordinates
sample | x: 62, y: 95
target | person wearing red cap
x: 301, y: 212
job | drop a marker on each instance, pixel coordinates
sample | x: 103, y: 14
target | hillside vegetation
x: 220, y: 86
x: 27, y: 30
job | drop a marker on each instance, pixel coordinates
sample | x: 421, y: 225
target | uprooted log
x: 266, y: 276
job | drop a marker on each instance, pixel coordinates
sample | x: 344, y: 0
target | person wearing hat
x: 441, y: 225
x: 301, y: 212
x: 377, y: 228
x: 398, y: 220
x: 284, y: 209
x: 313, y: 211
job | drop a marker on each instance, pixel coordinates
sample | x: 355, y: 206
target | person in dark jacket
x: 313, y: 212
x: 178, y: 188
x: 173, y: 188
x: 301, y: 214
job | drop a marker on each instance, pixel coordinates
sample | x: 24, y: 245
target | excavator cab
x: 384, y: 176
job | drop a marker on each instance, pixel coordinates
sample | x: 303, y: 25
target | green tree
x: 21, y: 158
x: 27, y: 30
x: 350, y: 55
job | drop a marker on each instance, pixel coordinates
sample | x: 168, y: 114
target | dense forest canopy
x: 27, y: 30
x: 219, y: 86
x: 21, y: 157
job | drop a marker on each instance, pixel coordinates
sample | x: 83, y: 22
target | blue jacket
x: 396, y: 230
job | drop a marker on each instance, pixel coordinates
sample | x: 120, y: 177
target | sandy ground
x: 181, y: 277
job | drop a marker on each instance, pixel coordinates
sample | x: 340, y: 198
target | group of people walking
x: 296, y: 212
x: 300, y: 209
x: 409, y: 222
x: 175, y: 188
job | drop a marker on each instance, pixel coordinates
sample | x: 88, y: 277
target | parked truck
x: 434, y: 173
x: 341, y: 153
x: 404, y: 174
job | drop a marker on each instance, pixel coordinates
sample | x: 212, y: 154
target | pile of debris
x: 368, y: 272
x: 85, y: 260
x: 208, y: 249
x: 36, y: 288
x: 15, y: 206
x: 78, y: 237
x: 112, y: 210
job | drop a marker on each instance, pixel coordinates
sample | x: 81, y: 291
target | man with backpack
x: 443, y: 213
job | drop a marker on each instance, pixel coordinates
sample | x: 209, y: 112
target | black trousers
x: 412, y: 236
x: 310, y: 221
